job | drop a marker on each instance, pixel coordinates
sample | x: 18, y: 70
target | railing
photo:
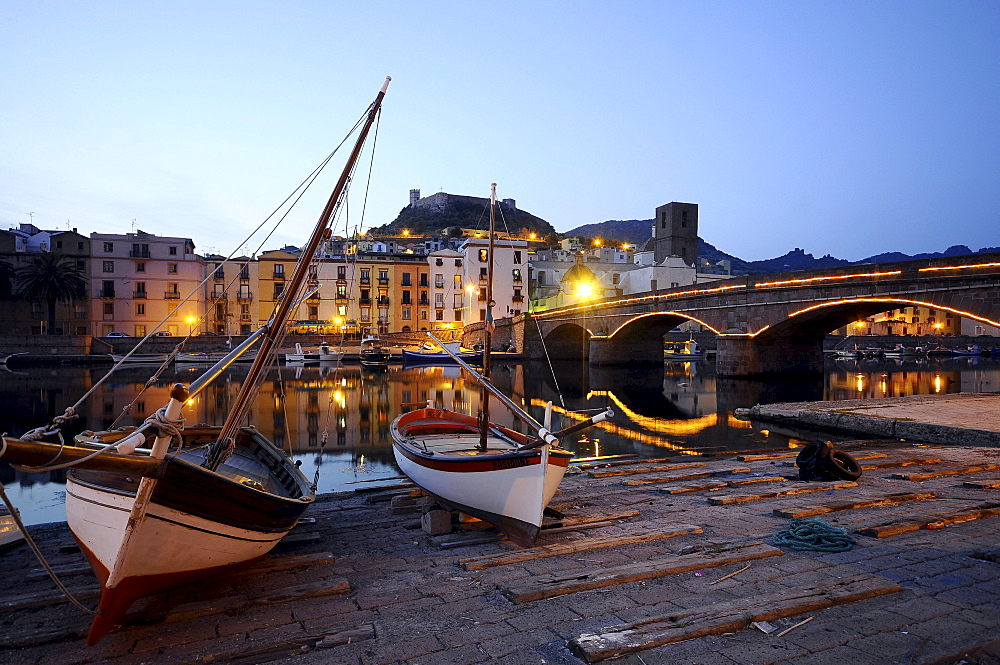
x: 383, y: 281
x: 383, y: 301
x: 221, y: 295
x: 143, y: 254
x: 244, y: 296
x: 172, y: 295
x: 104, y: 293
x: 138, y: 295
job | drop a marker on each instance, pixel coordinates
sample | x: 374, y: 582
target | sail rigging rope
x: 38, y: 554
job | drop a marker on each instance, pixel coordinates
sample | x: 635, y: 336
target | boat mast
x: 248, y: 390
x: 484, y: 413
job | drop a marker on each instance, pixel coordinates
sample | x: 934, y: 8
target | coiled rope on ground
x: 813, y: 535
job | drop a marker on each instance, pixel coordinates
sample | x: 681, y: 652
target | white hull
x: 519, y: 493
x: 166, y: 541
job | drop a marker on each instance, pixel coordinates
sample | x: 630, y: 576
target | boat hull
x: 146, y: 525
x: 509, y: 488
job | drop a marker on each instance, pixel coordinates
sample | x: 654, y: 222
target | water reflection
x: 336, y: 419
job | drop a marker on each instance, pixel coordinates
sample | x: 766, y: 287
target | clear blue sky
x: 848, y: 127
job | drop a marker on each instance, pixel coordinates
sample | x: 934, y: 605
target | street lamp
x: 191, y: 321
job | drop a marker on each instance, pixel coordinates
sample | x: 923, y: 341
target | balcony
x: 278, y: 275
x: 383, y: 301
x: 220, y: 295
x: 171, y: 295
x: 424, y: 301
x: 244, y: 296
x: 140, y: 254
x: 106, y: 293
x: 517, y: 299
x: 383, y: 281
x: 365, y: 301
x: 137, y: 295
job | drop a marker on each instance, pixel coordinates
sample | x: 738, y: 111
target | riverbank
x: 954, y: 419
x: 654, y: 561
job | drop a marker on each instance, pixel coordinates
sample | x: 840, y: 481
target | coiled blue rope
x: 813, y: 535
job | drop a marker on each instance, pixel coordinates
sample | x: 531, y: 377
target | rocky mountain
x: 454, y: 212
x: 637, y: 232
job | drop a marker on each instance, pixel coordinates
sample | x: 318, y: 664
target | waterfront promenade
x: 655, y: 562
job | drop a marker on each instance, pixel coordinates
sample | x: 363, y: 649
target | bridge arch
x: 638, y: 339
x: 568, y: 341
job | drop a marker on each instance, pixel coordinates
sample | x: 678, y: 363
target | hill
x: 463, y: 212
x: 637, y: 232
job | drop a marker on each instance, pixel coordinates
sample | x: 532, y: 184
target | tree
x: 49, y: 278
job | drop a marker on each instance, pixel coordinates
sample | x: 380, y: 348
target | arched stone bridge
x: 765, y: 324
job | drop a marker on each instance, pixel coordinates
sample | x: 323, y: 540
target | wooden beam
x: 558, y: 584
x: 729, y: 499
x: 823, y: 508
x: 645, y: 469
x: 725, y: 617
x: 938, y: 519
x: 582, y: 545
x: 954, y: 471
x: 685, y: 475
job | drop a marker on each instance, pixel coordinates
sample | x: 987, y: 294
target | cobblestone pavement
x: 362, y: 584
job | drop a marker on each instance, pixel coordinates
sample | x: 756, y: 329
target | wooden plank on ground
x: 709, y: 486
x: 953, y: 471
x: 834, y: 506
x: 767, y: 456
x: 582, y: 545
x: 725, y: 617
x: 939, y: 519
x: 739, y: 482
x: 629, y: 459
x: 728, y: 499
x: 642, y: 469
x: 558, y: 584
x: 685, y: 475
x: 590, y: 516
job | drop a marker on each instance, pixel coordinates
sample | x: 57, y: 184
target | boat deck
x: 668, y: 561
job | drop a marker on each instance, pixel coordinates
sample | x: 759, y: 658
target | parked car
x: 115, y: 333
x: 161, y: 333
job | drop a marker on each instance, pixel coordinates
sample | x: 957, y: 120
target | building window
x: 482, y: 315
x: 341, y: 272
x: 109, y: 266
x: 423, y: 314
x: 517, y: 274
x: 140, y: 309
x: 109, y: 309
x: 457, y: 301
x: 406, y: 297
x: 140, y: 331
x: 173, y: 251
x: 438, y: 300
x: 406, y: 279
x: 278, y: 290
x: 279, y: 270
x: 366, y: 314
x: 366, y: 275
x: 483, y: 274
x: 439, y: 315
x: 517, y: 256
x: 423, y: 279
x: 438, y: 281
x: 245, y: 271
x: 541, y: 277
x: 109, y: 247
x: 407, y: 313
x: 172, y: 268
x: 342, y: 292
x: 458, y: 282
x: 458, y: 315
x: 484, y: 255
x: 140, y: 266
x: 313, y: 313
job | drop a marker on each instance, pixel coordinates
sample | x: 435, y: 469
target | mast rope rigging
x: 41, y: 557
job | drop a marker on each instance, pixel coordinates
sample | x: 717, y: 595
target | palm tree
x: 50, y: 277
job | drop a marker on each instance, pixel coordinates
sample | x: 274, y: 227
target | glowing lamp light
x: 584, y: 290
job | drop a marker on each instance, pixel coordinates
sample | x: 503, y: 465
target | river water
x: 336, y: 419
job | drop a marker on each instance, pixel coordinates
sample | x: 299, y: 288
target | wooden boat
x: 687, y: 350
x: 429, y: 355
x: 470, y: 464
x: 149, y: 518
x: 323, y: 354
x: 212, y: 357
x: 10, y: 535
x: 140, y: 358
x: 372, y: 353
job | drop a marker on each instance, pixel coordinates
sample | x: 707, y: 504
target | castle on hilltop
x: 441, y: 200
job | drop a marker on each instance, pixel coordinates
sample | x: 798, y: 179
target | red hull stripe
x: 482, y: 462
